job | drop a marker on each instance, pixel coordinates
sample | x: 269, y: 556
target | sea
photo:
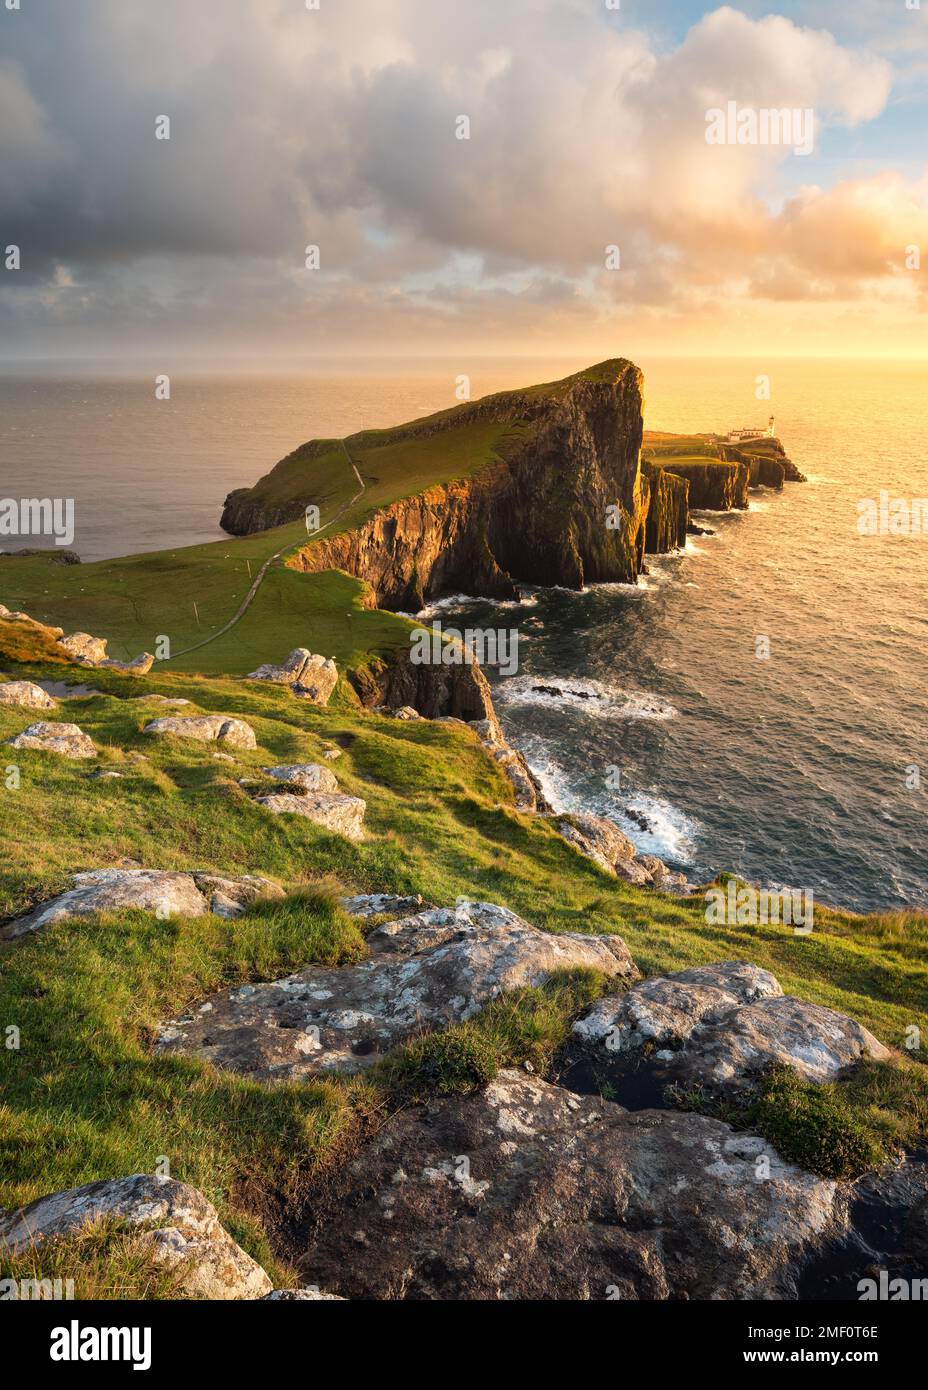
x: 758, y: 702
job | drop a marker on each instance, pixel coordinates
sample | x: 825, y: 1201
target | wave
x: 594, y: 697
x: 453, y: 602
x: 653, y: 825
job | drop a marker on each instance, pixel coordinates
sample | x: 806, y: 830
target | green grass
x: 840, y: 1129
x: 84, y: 1098
x: 526, y: 1026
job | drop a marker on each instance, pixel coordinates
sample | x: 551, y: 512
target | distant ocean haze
x: 793, y: 770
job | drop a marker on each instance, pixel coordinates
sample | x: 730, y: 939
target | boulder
x: 27, y: 694
x: 84, y: 649
x: 425, y: 971
x: 139, y: 667
x: 524, y: 1191
x: 66, y: 739
x: 716, y: 1027
x: 182, y: 1226
x: 404, y: 712
x: 602, y: 841
x: 112, y: 890
x: 148, y: 890
x: 310, y: 777
x: 343, y: 815
x: 308, y: 675
x: 206, y: 728
x: 367, y: 905
x: 231, y: 897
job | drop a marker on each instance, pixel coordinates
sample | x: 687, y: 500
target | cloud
x: 337, y: 127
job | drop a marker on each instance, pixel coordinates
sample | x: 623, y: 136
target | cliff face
x: 567, y: 505
x: 667, y: 509
x: 715, y: 486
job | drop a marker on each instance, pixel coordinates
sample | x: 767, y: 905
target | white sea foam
x: 670, y: 834
x: 456, y: 601
x: 599, y: 700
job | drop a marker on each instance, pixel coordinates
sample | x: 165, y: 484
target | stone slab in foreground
x: 426, y: 971
x: 524, y: 1191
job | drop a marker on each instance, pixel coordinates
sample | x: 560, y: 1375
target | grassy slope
x: 83, y: 1097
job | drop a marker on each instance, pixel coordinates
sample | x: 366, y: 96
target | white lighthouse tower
x: 770, y: 428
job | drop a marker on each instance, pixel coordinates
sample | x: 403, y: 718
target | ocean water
x: 806, y: 768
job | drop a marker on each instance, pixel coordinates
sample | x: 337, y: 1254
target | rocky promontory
x: 552, y: 488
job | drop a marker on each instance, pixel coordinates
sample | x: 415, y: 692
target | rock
x: 599, y: 840
x: 404, y: 712
x: 302, y: 1295
x: 66, y: 739
x: 104, y: 774
x: 188, y: 1236
x: 231, y: 897
x: 716, y: 1027
x: 424, y: 972
x: 366, y: 905
x: 27, y: 694
x: 332, y: 753
x: 523, y: 1191
x: 206, y: 728
x: 112, y: 890
x: 309, y: 676
x: 529, y: 795
x: 139, y: 667
x: 343, y: 815
x: 160, y: 891
x: 84, y: 649
x: 309, y: 776
x: 667, y: 880
x: 223, y: 758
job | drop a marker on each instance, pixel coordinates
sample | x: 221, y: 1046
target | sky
x: 339, y: 127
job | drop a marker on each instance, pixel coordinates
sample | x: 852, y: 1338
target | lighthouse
x: 770, y: 428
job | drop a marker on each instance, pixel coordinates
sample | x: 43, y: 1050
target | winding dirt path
x: 249, y: 597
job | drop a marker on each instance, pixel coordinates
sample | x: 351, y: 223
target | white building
x: 736, y: 436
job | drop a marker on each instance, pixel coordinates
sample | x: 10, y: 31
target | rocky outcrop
x: 538, y: 513
x: 460, y: 691
x: 342, y: 815
x: 26, y: 694
x: 205, y: 728
x: 309, y: 676
x: 85, y: 649
x: 160, y: 891
x: 716, y: 1028
x: 426, y: 971
x: 767, y: 463
x: 524, y: 1191
x: 67, y: 740
x: 139, y: 667
x: 600, y: 840
x: 180, y: 1225
x: 309, y: 777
